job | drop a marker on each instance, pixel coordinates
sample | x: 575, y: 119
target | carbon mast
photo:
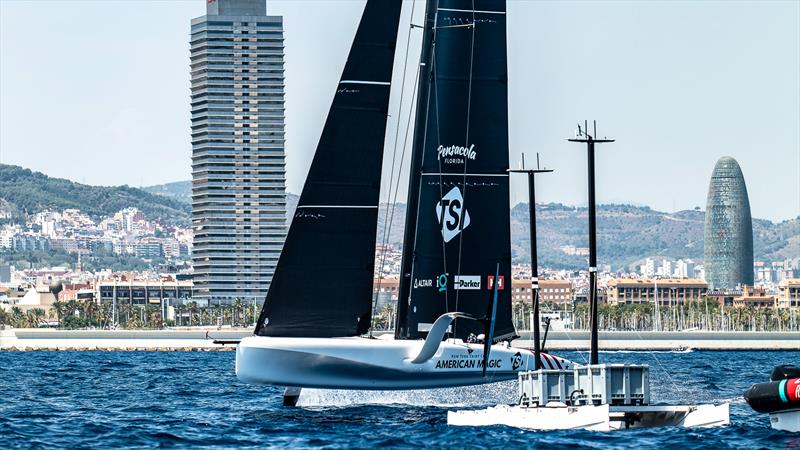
x: 415, y: 172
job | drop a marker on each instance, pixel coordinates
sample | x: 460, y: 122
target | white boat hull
x: 785, y: 421
x: 374, y: 364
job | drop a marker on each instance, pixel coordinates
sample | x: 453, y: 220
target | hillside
x: 25, y: 192
x: 627, y: 234
x: 179, y: 190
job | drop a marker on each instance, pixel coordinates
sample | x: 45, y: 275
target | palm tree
x: 36, y: 317
x: 17, y: 317
x: 237, y: 312
x: 60, y: 309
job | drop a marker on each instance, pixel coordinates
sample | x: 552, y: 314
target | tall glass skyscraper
x: 238, y: 163
x: 728, y: 235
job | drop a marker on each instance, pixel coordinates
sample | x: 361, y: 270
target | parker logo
x: 501, y: 282
x: 452, y: 215
x: 467, y: 282
x: 455, y: 154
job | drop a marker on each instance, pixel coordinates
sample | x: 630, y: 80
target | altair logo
x: 451, y: 214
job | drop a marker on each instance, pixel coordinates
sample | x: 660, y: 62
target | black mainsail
x: 322, y: 285
x: 462, y: 216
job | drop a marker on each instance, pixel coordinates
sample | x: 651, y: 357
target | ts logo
x: 451, y: 214
x: 516, y: 361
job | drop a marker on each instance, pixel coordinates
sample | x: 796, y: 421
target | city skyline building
x: 728, y: 233
x: 238, y: 158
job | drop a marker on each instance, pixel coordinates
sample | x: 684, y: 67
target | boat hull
x: 785, y: 421
x: 374, y: 364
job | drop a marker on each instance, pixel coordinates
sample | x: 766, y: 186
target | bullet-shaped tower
x: 728, y: 228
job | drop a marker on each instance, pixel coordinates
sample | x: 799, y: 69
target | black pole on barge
x: 583, y: 136
x: 537, y: 348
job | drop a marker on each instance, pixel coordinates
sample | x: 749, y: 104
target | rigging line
x: 466, y: 144
x: 400, y: 167
x: 424, y: 140
x: 391, y: 177
x: 652, y: 353
x: 439, y: 162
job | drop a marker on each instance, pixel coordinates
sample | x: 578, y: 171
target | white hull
x: 374, y: 364
x: 594, y: 418
x: 785, y: 421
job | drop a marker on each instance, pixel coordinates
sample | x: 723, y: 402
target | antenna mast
x: 537, y: 348
x: 583, y: 136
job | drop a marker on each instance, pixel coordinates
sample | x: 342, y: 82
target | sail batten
x: 322, y: 286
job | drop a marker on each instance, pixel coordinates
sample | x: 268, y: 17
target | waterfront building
x: 670, y: 291
x: 754, y: 297
x: 385, y: 291
x: 39, y: 297
x: 555, y: 292
x: 238, y: 161
x: 789, y: 293
x: 728, y: 233
x: 144, y: 292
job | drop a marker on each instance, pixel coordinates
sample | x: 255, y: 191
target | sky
x: 98, y: 92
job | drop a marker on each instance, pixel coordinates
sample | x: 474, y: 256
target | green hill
x: 27, y: 192
x: 626, y: 234
x: 179, y: 190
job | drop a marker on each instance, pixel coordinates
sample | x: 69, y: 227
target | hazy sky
x: 98, y: 92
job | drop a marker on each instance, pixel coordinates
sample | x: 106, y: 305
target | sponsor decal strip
x: 472, y: 11
x: 461, y: 174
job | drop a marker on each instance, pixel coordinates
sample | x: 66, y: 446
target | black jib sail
x: 462, y: 218
x: 322, y: 285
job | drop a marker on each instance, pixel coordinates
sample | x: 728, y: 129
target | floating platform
x: 593, y: 417
x: 600, y: 397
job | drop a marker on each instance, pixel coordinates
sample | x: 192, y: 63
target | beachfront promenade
x: 201, y: 339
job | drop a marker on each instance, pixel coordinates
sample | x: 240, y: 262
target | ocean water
x: 190, y: 400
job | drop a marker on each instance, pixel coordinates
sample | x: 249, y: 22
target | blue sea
x: 193, y: 399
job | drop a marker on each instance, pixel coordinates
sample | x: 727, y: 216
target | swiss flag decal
x: 501, y: 282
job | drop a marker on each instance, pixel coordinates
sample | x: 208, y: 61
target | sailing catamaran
x: 454, y: 323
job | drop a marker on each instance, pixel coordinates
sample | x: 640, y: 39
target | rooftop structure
x: 728, y: 231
